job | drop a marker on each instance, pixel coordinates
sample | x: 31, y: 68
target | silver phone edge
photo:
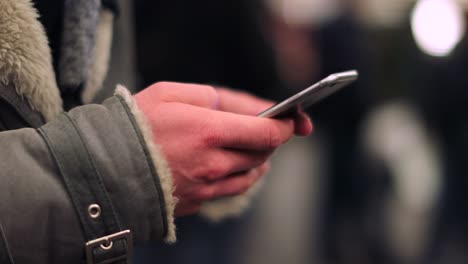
x: 346, y: 76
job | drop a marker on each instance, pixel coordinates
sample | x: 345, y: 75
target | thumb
x: 193, y: 94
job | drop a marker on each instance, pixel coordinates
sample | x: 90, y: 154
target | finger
x: 226, y: 162
x: 219, y: 129
x: 238, y: 184
x: 302, y: 124
x: 241, y: 102
x: 247, y: 132
x: 192, y: 94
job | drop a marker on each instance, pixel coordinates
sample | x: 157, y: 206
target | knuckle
x: 210, y: 91
x: 210, y: 94
x: 212, y: 138
x: 215, y: 173
x: 274, y: 138
x: 160, y: 85
x: 264, y: 168
x: 160, y: 90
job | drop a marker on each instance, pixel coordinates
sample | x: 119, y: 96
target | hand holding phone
x: 311, y: 95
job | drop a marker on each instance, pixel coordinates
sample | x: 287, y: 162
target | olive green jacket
x: 86, y: 185
x: 67, y: 179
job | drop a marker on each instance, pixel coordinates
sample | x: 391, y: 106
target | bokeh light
x: 438, y: 26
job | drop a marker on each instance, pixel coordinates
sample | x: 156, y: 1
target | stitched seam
x: 98, y: 176
x: 6, y: 248
x: 150, y: 164
x: 70, y: 187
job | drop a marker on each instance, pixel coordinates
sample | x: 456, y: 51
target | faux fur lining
x: 98, y: 70
x: 164, y: 173
x: 229, y: 207
x: 25, y: 58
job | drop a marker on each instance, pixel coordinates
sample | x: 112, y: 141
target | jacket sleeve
x: 90, y: 173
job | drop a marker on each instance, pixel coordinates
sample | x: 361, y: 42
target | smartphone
x: 311, y: 95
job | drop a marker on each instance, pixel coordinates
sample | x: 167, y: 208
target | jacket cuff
x: 157, y: 158
x: 111, y: 172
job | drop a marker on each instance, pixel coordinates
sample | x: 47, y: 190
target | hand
x: 211, y: 153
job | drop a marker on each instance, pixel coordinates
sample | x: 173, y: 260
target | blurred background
x: 384, y: 177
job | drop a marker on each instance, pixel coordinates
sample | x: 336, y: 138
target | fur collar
x: 25, y: 57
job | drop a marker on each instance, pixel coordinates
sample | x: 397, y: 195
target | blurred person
x: 352, y: 226
x: 438, y: 87
x: 435, y: 87
x: 84, y: 185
